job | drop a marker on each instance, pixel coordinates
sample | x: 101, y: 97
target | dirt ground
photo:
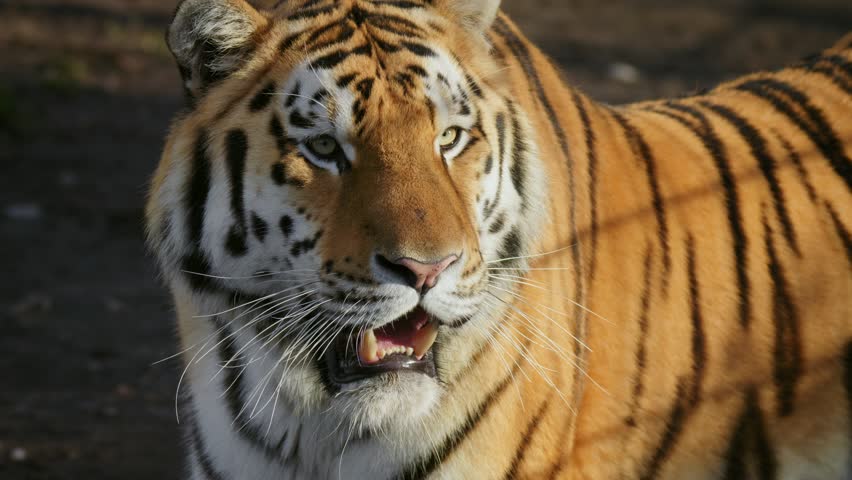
x: 87, y: 88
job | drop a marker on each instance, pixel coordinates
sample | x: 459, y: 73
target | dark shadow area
x: 87, y: 93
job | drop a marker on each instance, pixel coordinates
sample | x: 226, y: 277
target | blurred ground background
x: 87, y: 89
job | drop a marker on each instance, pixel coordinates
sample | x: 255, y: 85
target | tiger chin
x: 399, y: 246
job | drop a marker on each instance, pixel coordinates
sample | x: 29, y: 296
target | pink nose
x: 425, y: 274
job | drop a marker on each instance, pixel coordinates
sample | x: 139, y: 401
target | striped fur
x: 659, y: 290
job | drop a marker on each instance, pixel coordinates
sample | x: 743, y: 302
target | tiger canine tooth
x: 367, y: 352
x: 425, y: 338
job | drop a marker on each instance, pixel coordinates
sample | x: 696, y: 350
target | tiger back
x: 400, y: 246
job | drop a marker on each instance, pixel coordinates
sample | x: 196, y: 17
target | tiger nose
x: 418, y: 275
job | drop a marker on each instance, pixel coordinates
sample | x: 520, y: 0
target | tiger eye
x: 323, y: 146
x: 449, y: 138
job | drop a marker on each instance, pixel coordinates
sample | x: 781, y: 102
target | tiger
x: 400, y: 246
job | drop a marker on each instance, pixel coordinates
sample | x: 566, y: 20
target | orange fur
x: 655, y: 366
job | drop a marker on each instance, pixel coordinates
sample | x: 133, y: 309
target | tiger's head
x: 339, y: 194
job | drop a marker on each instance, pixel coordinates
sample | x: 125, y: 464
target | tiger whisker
x: 574, y: 302
x: 246, y: 325
x: 296, y: 95
x: 537, y: 255
x: 531, y: 323
x: 525, y: 302
x: 537, y: 367
x: 250, y: 302
x: 529, y: 269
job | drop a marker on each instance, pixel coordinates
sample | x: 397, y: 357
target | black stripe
x: 204, y: 461
x: 262, y: 98
x: 735, y: 459
x: 387, y: 46
x: 236, y: 149
x: 288, y: 42
x: 641, y: 148
x: 671, y: 432
x: 389, y: 28
x: 300, y: 121
x: 199, y: 187
x: 365, y: 88
x: 293, y: 95
x: 526, y: 440
x: 234, y: 385
x: 398, y: 4
x: 831, y: 73
x: 345, y: 80
x: 319, y: 98
x: 303, y: 14
x: 787, y: 354
x: 796, y: 160
x: 196, y: 267
x: 498, y: 224
x: 344, y: 33
x: 469, y: 145
x: 500, y: 125
x: 284, y: 144
x: 259, y: 227
x: 767, y: 164
x: 688, y: 394
x: 783, y: 96
x: 511, y: 248
x: 522, y: 55
x: 417, y: 70
x: 359, y: 111
x: 842, y: 64
x: 195, y: 263
x: 390, y: 23
x: 847, y: 382
x: 474, y: 87
x: 834, y: 67
x: 419, y: 49
x: 642, y: 341
x: 699, y: 342
x: 320, y: 31
x: 427, y: 466
x: 333, y: 59
x: 489, y: 164
x: 842, y: 232
x: 750, y: 433
x: 519, y: 148
x: 286, y: 226
x: 592, y: 158
x: 705, y: 132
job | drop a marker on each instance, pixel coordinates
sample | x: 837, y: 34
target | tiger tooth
x: 367, y: 352
x: 381, y: 354
x: 425, y: 338
x: 409, y: 351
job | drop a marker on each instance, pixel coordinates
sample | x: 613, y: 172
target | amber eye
x: 450, y: 138
x: 323, y: 146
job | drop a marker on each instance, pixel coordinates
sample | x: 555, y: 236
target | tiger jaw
x: 401, y: 345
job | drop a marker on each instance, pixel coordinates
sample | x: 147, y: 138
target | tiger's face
x: 337, y: 193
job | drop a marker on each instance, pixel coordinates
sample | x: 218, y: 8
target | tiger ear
x: 211, y: 39
x: 476, y: 15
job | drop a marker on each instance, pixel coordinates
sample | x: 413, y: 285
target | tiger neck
x: 574, y: 135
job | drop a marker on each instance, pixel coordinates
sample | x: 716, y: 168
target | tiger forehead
x: 344, y: 89
x: 387, y: 25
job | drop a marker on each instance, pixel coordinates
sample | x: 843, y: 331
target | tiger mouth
x: 404, y: 344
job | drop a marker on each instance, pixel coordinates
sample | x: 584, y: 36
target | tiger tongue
x: 411, y: 335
